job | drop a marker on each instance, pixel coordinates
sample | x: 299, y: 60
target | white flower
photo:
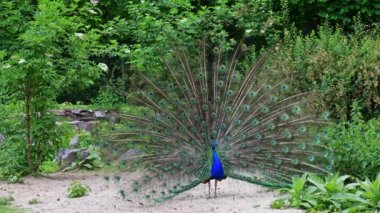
x: 92, y: 11
x: 127, y: 51
x: 182, y: 21
x: 7, y: 66
x: 262, y: 31
x: 79, y: 35
x: 103, y: 67
x: 94, y: 1
x: 21, y: 61
x: 248, y: 31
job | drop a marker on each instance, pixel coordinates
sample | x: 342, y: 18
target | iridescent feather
x: 265, y: 133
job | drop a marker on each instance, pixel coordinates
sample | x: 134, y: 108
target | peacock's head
x: 214, y: 143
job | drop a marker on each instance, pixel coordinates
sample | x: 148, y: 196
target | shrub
x: 332, y: 193
x: 356, y: 145
x: 13, y: 164
x: 92, y: 162
x: 110, y: 97
x: 47, y: 139
x: 77, y: 189
x: 48, y: 167
x: 344, y: 69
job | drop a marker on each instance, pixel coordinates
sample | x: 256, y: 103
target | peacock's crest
x: 262, y: 131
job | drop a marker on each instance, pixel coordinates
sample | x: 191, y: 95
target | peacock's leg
x: 209, y: 188
x: 216, y: 182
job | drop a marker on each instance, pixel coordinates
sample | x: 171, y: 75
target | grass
x: 8, y: 209
x: 6, y: 201
x: 5, y: 207
x: 34, y: 201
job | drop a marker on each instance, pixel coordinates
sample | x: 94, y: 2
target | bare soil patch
x: 233, y: 196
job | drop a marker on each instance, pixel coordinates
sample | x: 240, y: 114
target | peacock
x: 216, y: 116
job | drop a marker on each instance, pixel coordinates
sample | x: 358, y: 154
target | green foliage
x: 343, y: 69
x: 332, y: 193
x: 34, y: 201
x: 8, y: 209
x: 92, y: 162
x: 307, y: 14
x: 108, y: 99
x: 301, y: 196
x: 77, y: 189
x: 6, y: 201
x: 86, y: 139
x: 48, y: 138
x: 48, y: 167
x: 371, y: 191
x: 342, y: 12
x: 356, y: 145
x: 280, y: 203
x: 56, y: 46
x: 13, y: 164
x: 54, y: 40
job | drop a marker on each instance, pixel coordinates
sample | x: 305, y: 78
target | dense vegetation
x: 57, y: 53
x: 332, y: 193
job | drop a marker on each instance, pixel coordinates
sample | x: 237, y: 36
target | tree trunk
x: 28, y: 128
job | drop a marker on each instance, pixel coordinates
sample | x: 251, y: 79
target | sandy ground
x: 233, y: 196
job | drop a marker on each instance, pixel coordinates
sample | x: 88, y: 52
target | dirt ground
x: 233, y: 196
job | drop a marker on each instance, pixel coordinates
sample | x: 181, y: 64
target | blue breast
x: 217, y: 171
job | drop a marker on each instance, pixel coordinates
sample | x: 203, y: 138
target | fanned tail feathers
x: 266, y: 133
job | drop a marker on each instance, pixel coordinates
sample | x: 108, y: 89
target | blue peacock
x: 216, y: 117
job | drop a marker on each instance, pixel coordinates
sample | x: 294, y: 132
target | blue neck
x: 217, y: 171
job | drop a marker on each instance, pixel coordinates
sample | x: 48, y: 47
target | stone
x: 66, y: 157
x: 87, y: 125
x: 59, y: 112
x: 74, y: 142
x: 100, y: 114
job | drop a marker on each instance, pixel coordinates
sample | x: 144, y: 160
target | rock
x: 2, y: 138
x: 66, y: 157
x: 131, y: 154
x: 74, y: 141
x: 59, y: 112
x: 86, y: 118
x: 74, y: 123
x: 100, y: 114
x: 86, y: 113
x: 87, y: 125
x: 76, y: 111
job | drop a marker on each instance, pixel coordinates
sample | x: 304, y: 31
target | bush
x: 48, y: 167
x: 47, y: 139
x: 77, y: 189
x: 110, y: 97
x: 344, y: 69
x: 356, y: 145
x: 13, y: 164
x: 332, y: 193
x: 92, y: 162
